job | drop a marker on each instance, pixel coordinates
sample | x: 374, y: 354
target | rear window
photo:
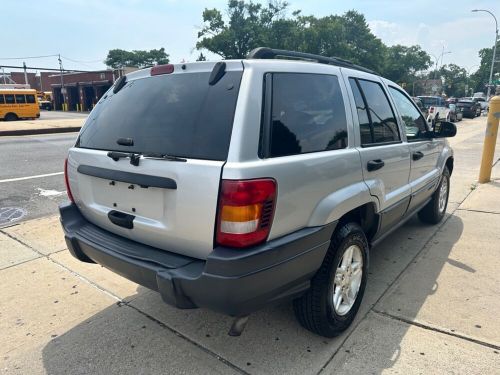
x: 30, y: 98
x: 175, y: 114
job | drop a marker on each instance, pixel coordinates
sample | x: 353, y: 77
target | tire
x: 434, y: 211
x: 315, y: 310
x: 11, y: 117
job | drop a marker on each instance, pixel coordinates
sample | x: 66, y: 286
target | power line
x: 49, y: 69
x: 26, y: 57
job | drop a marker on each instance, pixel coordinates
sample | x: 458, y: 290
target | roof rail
x: 271, y: 53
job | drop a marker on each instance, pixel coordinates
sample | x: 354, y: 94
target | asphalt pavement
x: 60, y: 115
x: 31, y: 175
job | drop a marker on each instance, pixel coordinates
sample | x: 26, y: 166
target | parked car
x: 455, y: 112
x: 435, y: 107
x: 469, y: 108
x: 482, y: 103
x: 45, y: 104
x: 267, y: 192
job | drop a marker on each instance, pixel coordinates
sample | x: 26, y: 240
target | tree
x: 481, y: 77
x: 244, y: 30
x: 402, y: 63
x: 455, y: 79
x: 118, y: 58
x: 249, y: 25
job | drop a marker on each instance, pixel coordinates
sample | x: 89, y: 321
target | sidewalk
x: 28, y: 127
x: 431, y: 305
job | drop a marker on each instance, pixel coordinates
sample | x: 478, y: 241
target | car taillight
x: 431, y: 109
x: 66, y: 181
x: 246, y: 209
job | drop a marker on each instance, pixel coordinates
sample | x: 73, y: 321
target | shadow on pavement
x: 147, y: 336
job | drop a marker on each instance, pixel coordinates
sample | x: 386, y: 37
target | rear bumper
x: 234, y: 282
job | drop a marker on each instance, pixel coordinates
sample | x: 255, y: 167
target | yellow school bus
x: 18, y: 104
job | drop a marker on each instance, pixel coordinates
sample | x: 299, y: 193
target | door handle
x: 417, y: 155
x: 121, y: 219
x: 373, y: 165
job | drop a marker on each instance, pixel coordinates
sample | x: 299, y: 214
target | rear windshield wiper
x: 159, y: 156
x: 134, y: 158
x: 116, y: 155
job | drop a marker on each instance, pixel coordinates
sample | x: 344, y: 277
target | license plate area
x: 129, y: 198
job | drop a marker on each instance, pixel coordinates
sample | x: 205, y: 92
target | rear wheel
x: 330, y: 305
x: 433, y: 212
x: 10, y: 117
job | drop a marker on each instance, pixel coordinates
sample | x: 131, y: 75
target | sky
x: 83, y: 31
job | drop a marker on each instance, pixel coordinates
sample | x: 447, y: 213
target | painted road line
x: 30, y: 177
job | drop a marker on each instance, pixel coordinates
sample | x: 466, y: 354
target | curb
x: 5, y: 133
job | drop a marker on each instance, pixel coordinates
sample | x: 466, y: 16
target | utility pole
x: 490, y: 82
x: 3, y: 74
x: 62, y: 82
x: 25, y: 74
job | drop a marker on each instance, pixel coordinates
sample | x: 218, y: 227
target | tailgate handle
x: 121, y: 219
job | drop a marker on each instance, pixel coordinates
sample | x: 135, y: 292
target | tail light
x: 66, y: 181
x: 431, y: 110
x: 246, y: 209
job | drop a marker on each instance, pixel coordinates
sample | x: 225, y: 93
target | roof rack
x: 271, y: 53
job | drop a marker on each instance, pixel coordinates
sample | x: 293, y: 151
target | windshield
x: 175, y: 114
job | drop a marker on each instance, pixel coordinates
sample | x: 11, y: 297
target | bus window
x: 30, y: 99
x: 1, y: 99
x: 20, y: 99
x: 9, y: 99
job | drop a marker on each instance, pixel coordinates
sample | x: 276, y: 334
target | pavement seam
x: 191, y: 341
x: 47, y: 256
x: 20, y: 263
x: 122, y: 302
x: 435, y: 329
x: 478, y: 211
x: 424, y: 246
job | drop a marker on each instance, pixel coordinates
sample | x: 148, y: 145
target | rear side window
x: 20, y: 99
x: 383, y: 125
x: 175, y: 114
x: 307, y: 114
x: 30, y: 98
x: 2, y: 99
x: 9, y: 99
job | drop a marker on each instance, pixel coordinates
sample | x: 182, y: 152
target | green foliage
x: 119, y: 58
x: 402, y: 63
x: 249, y: 25
x: 454, y: 80
x: 481, y: 77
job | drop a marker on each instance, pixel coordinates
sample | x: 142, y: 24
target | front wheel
x: 330, y: 305
x: 433, y: 212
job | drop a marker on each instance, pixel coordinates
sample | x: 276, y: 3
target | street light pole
x: 490, y: 82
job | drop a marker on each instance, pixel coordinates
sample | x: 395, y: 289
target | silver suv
x: 239, y: 184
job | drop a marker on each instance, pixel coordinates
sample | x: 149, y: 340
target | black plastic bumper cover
x: 234, y: 282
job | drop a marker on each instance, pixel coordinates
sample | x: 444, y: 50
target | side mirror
x: 444, y: 129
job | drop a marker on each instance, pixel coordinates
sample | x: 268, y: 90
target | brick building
x: 81, y: 90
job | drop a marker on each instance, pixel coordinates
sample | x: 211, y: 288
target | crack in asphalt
x: 479, y: 211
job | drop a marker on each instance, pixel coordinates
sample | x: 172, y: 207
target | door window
x: 414, y: 123
x: 308, y: 114
x: 376, y: 119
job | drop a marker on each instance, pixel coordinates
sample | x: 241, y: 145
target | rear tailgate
x: 172, y: 204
